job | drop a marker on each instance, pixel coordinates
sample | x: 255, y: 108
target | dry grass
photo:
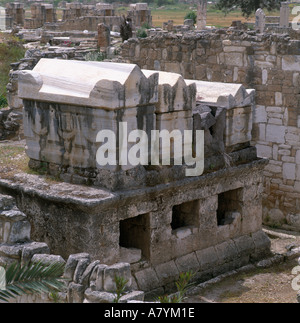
x: 12, y: 160
x: 217, y: 19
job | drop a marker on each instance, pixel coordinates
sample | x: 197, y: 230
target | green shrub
x: 11, y: 50
x: 141, y: 33
x: 145, y: 25
x: 96, y: 56
x: 191, y: 15
x: 3, y: 102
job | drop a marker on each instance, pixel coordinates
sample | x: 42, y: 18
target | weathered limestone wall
x: 85, y: 23
x: 15, y: 14
x: 137, y: 227
x: 267, y: 63
x: 40, y: 14
x: 86, y: 280
x: 140, y: 14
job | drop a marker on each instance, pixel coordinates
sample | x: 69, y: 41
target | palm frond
x: 32, y: 278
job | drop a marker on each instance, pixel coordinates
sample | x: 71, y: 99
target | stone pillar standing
x: 284, y: 15
x: 260, y: 20
x: 201, y: 14
x: 103, y: 36
x: 2, y: 19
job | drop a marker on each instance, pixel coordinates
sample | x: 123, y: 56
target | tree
x: 247, y: 6
x: 191, y: 15
x: 126, y: 28
x: 33, y: 278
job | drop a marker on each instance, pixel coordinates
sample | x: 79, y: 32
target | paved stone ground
x: 257, y: 285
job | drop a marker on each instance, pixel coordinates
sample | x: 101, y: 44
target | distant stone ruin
x: 75, y: 16
x: 140, y: 15
x: 15, y: 14
x: 40, y: 15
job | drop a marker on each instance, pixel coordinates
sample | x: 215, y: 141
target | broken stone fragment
x: 33, y: 248
x: 173, y: 92
x: 207, y: 120
x: 75, y: 293
x: 6, y: 202
x: 47, y: 259
x: 117, y: 270
x: 98, y: 297
x: 72, y: 262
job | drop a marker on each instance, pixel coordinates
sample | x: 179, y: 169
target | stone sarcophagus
x: 238, y: 104
x: 71, y: 106
x: 139, y: 209
x: 104, y: 123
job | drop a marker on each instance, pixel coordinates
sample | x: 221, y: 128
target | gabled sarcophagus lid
x: 94, y: 84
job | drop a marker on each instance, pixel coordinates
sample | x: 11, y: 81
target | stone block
x: 11, y: 251
x: 275, y: 134
x: 244, y: 245
x: 85, y: 278
x: 80, y: 268
x: 97, y: 277
x: 167, y: 272
x: 47, y: 259
x: 238, y: 126
x: 291, y: 63
x: 289, y: 171
x: 72, y: 264
x: 178, y: 121
x: 259, y: 114
x: 262, y: 245
x: 6, y: 202
x: 207, y: 258
x: 103, y: 36
x: 173, y: 93
x: 147, y: 279
x: 130, y: 255
x: 75, y: 293
x: 132, y: 296
x: 12, y: 215
x: 264, y: 151
x: 98, y: 297
x: 33, y: 248
x: 226, y: 251
x: 117, y: 270
x: 19, y: 232
x: 173, y: 67
x: 187, y: 263
x: 234, y: 59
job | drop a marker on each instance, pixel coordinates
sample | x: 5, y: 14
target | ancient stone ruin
x: 75, y: 16
x: 40, y: 15
x: 134, y: 213
x: 140, y: 14
x: 136, y: 202
x: 267, y: 62
x: 15, y: 14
